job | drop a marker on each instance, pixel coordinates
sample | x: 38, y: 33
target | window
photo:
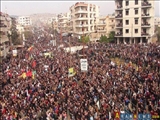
x: 136, y: 2
x: 127, y: 12
x: 136, y: 30
x: 136, y: 21
x: 127, y: 22
x: 127, y: 3
x: 127, y: 30
x: 136, y: 11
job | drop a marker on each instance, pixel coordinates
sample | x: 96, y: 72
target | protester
x: 36, y: 86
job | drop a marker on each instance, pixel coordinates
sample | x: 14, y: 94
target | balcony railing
x: 3, y: 25
x: 119, y: 7
x: 119, y: 34
x: 145, y: 15
x: 146, y: 4
x: 119, y: 16
x: 119, y: 25
x: 145, y: 24
x: 144, y: 34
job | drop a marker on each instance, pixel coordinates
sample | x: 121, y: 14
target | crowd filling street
x: 36, y: 86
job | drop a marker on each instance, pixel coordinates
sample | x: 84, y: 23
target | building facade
x: 157, y: 21
x: 24, y: 20
x: 83, y: 18
x: 5, y: 25
x: 134, y: 21
x: 63, y: 22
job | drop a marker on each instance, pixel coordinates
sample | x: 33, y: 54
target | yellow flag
x: 24, y: 75
x: 71, y: 72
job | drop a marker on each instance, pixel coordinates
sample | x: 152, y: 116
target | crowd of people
x: 45, y: 92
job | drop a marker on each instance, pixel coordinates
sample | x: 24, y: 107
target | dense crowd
x: 108, y: 86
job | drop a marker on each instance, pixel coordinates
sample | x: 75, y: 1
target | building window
x: 136, y: 2
x: 136, y: 21
x: 136, y: 30
x: 127, y: 22
x: 127, y: 30
x: 136, y: 11
x: 127, y: 12
x: 127, y: 3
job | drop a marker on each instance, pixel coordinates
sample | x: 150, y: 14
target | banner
x: 14, y: 53
x: 71, y: 72
x: 84, y: 64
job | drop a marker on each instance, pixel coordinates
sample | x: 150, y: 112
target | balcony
x: 101, y: 30
x: 119, y: 7
x: 145, y: 24
x: 146, y: 5
x: 2, y: 18
x: 81, y: 18
x: 145, y: 15
x: 81, y: 25
x: 102, y: 23
x: 119, y: 34
x: 119, y: 16
x: 120, y: 25
x: 144, y: 34
x: 81, y: 11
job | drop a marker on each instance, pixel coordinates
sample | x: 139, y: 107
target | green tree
x: 104, y: 39
x: 85, y: 39
x: 14, y: 36
x: 158, y: 33
x: 111, y: 36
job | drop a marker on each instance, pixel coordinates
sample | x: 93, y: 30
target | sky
x: 32, y: 7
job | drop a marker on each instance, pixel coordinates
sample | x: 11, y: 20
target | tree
x: 103, y: 38
x: 85, y: 39
x: 13, y: 35
x: 28, y: 34
x: 111, y: 36
x: 158, y: 33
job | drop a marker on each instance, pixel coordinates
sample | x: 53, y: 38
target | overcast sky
x: 33, y: 7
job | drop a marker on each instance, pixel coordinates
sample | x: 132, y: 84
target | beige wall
x: 132, y: 16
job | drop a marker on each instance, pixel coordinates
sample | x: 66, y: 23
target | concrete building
x: 134, y: 21
x: 5, y: 25
x: 24, y: 20
x: 83, y: 18
x: 110, y: 24
x: 63, y: 21
x: 157, y: 21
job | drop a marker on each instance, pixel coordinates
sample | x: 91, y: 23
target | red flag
x: 34, y: 64
x: 29, y: 74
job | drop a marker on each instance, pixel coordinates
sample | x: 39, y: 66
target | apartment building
x: 83, y: 18
x: 5, y: 25
x: 157, y: 21
x: 63, y: 21
x: 134, y: 21
x: 110, y: 24
x: 24, y: 20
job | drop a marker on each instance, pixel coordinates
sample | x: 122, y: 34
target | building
x: 24, y: 20
x: 110, y: 24
x: 5, y: 25
x: 63, y: 21
x: 157, y: 21
x: 83, y: 18
x: 134, y: 21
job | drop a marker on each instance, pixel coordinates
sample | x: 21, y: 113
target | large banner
x: 84, y: 64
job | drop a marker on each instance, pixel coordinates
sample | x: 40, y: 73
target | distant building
x: 157, y: 21
x: 134, y: 21
x: 83, y: 18
x: 24, y: 20
x: 5, y: 25
x: 63, y: 21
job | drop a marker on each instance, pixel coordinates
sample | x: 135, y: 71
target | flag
x: 34, y: 64
x: 33, y: 74
x: 30, y: 48
x: 24, y: 75
x: 29, y: 74
x: 71, y: 72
